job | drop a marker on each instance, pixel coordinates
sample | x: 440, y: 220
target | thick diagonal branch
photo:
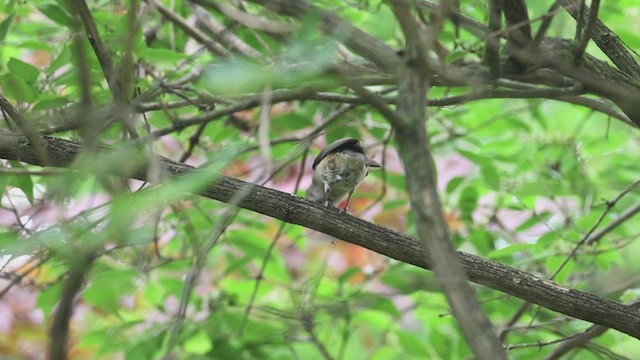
x: 295, y: 210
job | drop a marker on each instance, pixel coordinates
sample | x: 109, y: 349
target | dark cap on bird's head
x: 344, y: 144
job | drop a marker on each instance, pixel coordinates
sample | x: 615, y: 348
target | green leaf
x: 455, y: 55
x: 291, y: 121
x: 199, y: 344
x: 490, y: 175
x: 251, y: 243
x: 351, y: 272
x: 482, y: 240
x: 377, y: 302
x: 533, y: 220
x: 381, y: 24
x: 235, y: 78
x: 472, y: 156
x: 49, y: 102
x: 162, y: 56
x: 108, y: 286
x: 23, y: 70
x: 453, y: 184
x: 4, y: 26
x: 18, y: 89
x: 553, y: 263
x: 57, y: 14
x: 468, y: 202
x: 412, y: 345
x: 48, y: 298
x: 22, y: 182
x: 409, y: 280
x: 11, y: 244
x: 63, y: 58
x: 512, y: 249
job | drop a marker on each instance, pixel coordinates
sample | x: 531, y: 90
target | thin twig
x: 194, y: 33
x: 591, y: 23
x: 267, y: 254
x: 580, y: 340
x: 546, y: 22
x: 629, y: 213
x: 585, y: 238
x: 235, y: 43
x: 23, y: 273
x: 308, y: 325
x: 198, y: 264
x: 103, y: 56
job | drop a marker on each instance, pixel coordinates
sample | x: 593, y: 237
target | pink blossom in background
x: 450, y: 166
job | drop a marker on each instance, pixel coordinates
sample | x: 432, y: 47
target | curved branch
x: 295, y: 210
x: 58, y: 349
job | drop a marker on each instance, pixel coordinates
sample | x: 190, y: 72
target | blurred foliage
x: 522, y: 182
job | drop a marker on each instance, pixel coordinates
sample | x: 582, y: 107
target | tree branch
x: 492, y: 44
x: 25, y: 126
x: 296, y: 210
x: 515, y: 12
x: 58, y: 349
x: 607, y: 40
x: 194, y: 33
x: 103, y: 56
x: 414, y: 150
x: 588, y: 30
x: 364, y: 44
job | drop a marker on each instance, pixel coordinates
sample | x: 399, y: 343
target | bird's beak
x: 371, y: 163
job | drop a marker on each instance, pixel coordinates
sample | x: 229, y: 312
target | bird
x: 338, y: 170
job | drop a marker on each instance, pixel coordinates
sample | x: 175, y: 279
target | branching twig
x: 249, y: 20
x: 580, y: 340
x: 309, y: 327
x: 629, y: 213
x: 607, y: 40
x: 586, y: 36
x: 610, y: 205
x: 196, y: 268
x: 267, y: 254
x: 23, y: 273
x: 234, y: 42
x: 194, y: 33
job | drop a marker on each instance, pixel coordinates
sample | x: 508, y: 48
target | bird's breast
x: 341, y: 171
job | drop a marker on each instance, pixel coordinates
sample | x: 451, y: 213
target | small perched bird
x: 338, y: 170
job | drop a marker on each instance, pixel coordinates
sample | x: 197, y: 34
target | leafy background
x: 522, y: 182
